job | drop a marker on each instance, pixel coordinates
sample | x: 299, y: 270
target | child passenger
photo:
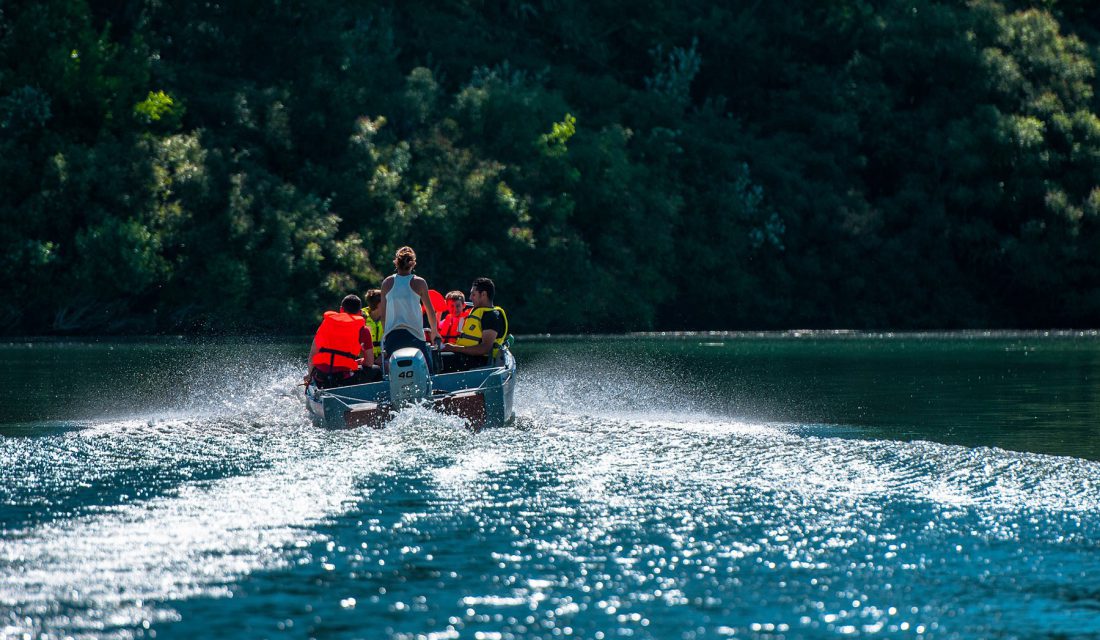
x: 450, y: 327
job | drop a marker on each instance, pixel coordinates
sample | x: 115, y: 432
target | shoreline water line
x: 967, y: 334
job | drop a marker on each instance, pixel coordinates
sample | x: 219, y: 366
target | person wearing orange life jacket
x: 342, y: 351
x: 450, y: 326
x: 483, y: 330
x: 373, y: 316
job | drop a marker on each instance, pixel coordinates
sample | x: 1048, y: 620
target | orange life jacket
x: 338, y: 341
x: 451, y: 326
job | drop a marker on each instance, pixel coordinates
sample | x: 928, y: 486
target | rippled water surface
x: 799, y: 486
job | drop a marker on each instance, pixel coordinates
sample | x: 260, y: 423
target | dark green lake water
x: 817, y: 485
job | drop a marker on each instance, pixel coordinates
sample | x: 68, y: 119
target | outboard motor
x: 409, y: 378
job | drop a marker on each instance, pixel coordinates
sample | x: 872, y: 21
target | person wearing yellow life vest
x: 483, y: 330
x: 342, y: 351
x: 373, y: 317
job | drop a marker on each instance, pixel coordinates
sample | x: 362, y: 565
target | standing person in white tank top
x: 402, y: 295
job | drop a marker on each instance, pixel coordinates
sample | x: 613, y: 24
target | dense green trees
x: 226, y: 166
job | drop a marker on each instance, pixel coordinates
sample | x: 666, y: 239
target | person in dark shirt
x: 493, y: 320
x: 483, y: 331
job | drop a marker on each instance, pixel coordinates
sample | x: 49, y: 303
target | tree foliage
x: 240, y: 166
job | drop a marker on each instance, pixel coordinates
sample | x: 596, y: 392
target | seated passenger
x: 483, y: 331
x: 451, y: 324
x: 342, y: 352
x: 373, y: 316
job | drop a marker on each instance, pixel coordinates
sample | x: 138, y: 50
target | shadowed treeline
x: 240, y: 165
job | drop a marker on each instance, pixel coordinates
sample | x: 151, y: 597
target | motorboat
x: 482, y: 396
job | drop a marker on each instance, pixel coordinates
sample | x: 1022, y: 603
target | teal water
x: 796, y: 486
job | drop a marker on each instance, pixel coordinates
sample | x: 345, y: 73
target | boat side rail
x: 509, y: 370
x: 344, y: 400
x: 480, y: 386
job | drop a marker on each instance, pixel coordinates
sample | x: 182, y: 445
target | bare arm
x: 312, y: 352
x: 486, y: 346
x: 488, y: 336
x: 309, y: 362
x: 367, y: 346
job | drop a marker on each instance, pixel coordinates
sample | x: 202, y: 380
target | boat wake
x: 112, y: 526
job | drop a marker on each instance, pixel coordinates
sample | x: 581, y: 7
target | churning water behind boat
x: 675, y: 490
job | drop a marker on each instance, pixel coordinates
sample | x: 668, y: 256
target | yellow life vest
x: 471, y: 330
x: 376, y: 332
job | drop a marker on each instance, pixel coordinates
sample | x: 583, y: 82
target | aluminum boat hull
x: 481, y: 396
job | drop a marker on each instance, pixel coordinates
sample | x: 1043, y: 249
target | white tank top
x: 403, y: 307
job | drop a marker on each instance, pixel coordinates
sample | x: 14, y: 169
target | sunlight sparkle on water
x: 616, y: 512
